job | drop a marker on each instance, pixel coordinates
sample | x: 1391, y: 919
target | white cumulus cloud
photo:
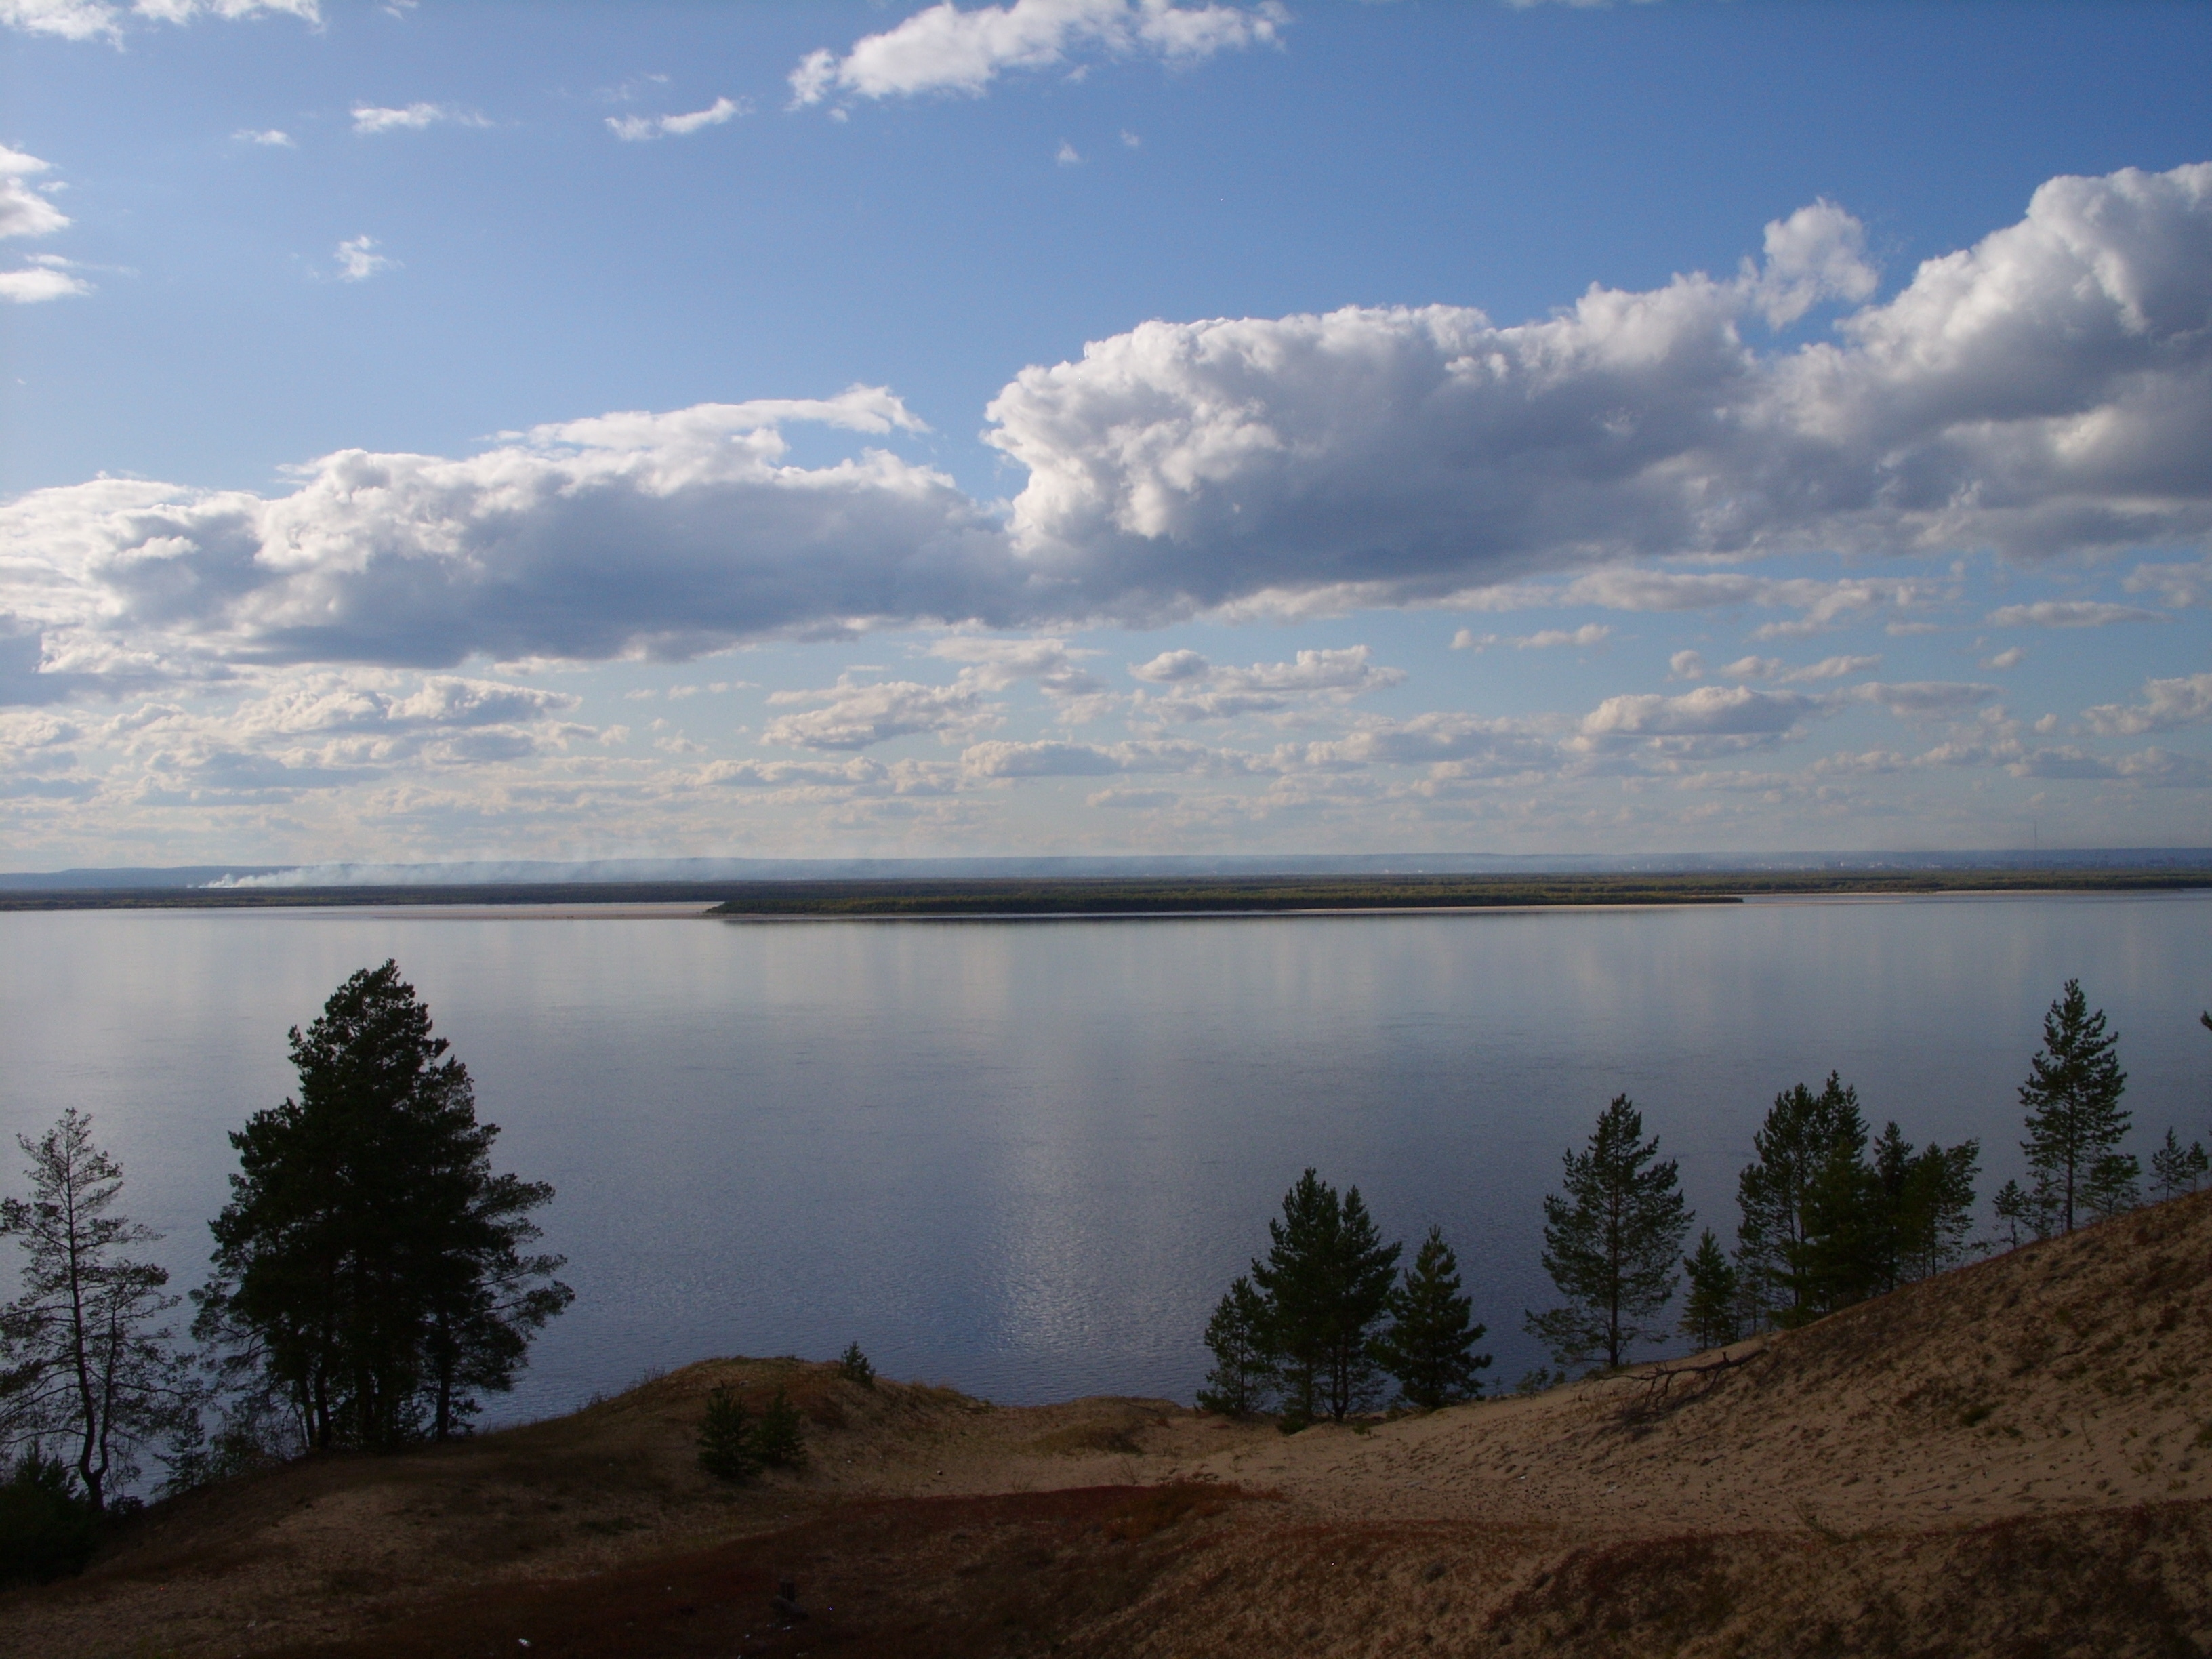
x: 104, y: 19
x: 370, y: 119
x: 1199, y: 691
x: 24, y: 211
x: 2042, y: 392
x: 856, y: 714
x: 2039, y: 392
x: 39, y: 281
x: 358, y: 259
x: 639, y: 128
x: 631, y: 534
x: 944, y: 49
x: 2186, y: 701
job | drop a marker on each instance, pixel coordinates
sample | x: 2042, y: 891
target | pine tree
x: 2175, y: 1168
x: 2114, y: 1184
x: 1848, y: 1252
x: 1429, y: 1347
x: 1803, y: 1135
x: 2031, y: 1211
x: 1326, y: 1280
x: 370, y: 1269
x: 726, y: 1448
x: 2072, y: 1099
x: 1711, y: 1312
x: 1935, y: 1209
x: 84, y: 1358
x: 853, y: 1365
x: 1611, y: 1241
x: 780, y: 1437
x: 1872, y: 1223
x: 1242, y: 1347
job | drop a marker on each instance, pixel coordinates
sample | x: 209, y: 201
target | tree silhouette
x: 370, y: 1269
x: 83, y: 1357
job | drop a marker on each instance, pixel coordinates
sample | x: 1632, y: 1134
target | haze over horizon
x: 442, y: 433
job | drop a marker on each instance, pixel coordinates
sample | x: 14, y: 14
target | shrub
x: 779, y: 1441
x: 47, y: 1528
x: 727, y: 1448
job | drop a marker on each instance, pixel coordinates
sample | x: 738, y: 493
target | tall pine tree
x: 1326, y: 1280
x: 1805, y: 1136
x: 370, y: 1269
x: 2072, y: 1099
x: 1611, y: 1241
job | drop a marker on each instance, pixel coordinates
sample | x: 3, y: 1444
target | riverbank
x: 2011, y: 1456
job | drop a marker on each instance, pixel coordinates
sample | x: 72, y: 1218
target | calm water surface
x: 1024, y: 1159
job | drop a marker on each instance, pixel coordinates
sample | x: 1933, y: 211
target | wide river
x: 1024, y: 1159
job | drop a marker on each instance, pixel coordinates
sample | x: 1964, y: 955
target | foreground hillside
x: 2015, y: 1459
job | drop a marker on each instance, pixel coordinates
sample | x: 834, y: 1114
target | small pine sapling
x: 1712, y: 1312
x: 778, y: 1438
x: 2175, y: 1168
x: 853, y: 1365
x: 727, y: 1448
x: 1243, y: 1361
x: 2112, y: 1186
x: 1429, y: 1344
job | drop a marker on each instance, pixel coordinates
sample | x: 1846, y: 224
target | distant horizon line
x: 559, y: 872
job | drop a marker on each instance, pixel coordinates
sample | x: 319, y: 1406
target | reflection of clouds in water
x: 1026, y: 1159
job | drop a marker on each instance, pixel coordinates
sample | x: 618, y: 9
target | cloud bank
x: 2044, y: 393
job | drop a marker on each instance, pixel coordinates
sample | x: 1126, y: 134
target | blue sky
x: 443, y: 430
